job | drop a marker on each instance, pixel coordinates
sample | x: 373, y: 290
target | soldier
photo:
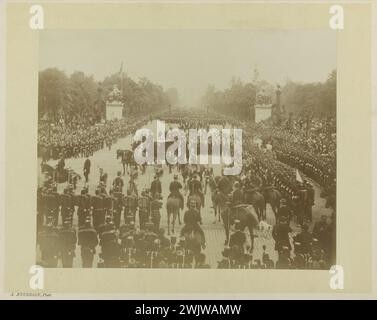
x: 102, y: 177
x: 309, y: 201
x: 118, y: 206
x: 284, y: 210
x: 192, y: 220
x: 48, y: 244
x: 126, y: 230
x: 86, y: 169
x: 108, y: 204
x: 110, y: 249
x: 83, y: 203
x: 67, y: 204
x: 174, y: 188
x: 280, y: 233
x: 305, y: 239
x: 156, y: 205
x: 108, y: 225
x: 67, y: 244
x: 301, y: 203
x: 130, y: 206
x: 237, y: 195
x: 144, y: 209
x: 98, y: 209
x: 118, y: 182
x: 208, y: 172
x: 52, y: 203
x: 88, y: 240
x: 238, y: 238
x: 156, y: 186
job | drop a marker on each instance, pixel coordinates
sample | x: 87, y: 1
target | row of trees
x: 298, y: 98
x: 82, y: 95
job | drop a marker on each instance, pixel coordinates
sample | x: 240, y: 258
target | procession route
x: 213, y: 229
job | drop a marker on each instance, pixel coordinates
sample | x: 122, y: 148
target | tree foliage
x: 238, y: 100
x: 81, y: 94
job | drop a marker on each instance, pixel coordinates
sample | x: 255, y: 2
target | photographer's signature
x: 30, y: 294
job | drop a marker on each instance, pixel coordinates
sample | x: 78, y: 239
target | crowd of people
x: 81, y: 138
x: 108, y: 217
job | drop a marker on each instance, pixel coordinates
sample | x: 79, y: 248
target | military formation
x: 119, y: 227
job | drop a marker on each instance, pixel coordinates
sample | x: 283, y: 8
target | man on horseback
x: 174, y: 188
x: 195, y: 187
x: 192, y: 220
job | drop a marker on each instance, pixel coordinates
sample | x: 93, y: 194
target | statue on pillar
x: 115, y: 95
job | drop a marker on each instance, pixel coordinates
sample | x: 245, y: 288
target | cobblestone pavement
x: 213, y: 229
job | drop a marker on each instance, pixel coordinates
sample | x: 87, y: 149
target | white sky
x: 191, y: 59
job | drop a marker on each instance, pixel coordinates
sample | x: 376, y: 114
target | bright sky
x: 191, y: 59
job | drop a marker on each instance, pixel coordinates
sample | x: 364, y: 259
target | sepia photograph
x: 269, y: 95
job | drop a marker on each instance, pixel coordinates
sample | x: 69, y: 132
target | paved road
x: 214, y: 232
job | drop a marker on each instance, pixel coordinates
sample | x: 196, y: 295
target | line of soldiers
x: 99, y: 223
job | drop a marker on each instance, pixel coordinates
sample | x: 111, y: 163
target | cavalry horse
x: 215, y: 195
x: 272, y: 196
x: 127, y: 158
x: 245, y: 214
x: 256, y: 199
x: 173, y: 206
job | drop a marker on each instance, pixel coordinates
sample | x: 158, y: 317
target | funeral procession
x: 131, y: 174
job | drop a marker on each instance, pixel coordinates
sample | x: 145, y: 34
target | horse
x: 126, y: 158
x: 173, y: 206
x: 198, y: 200
x: 255, y: 198
x: 195, y: 242
x: 213, y: 186
x: 245, y: 214
x: 272, y: 196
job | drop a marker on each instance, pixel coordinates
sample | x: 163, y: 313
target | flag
x: 299, y: 177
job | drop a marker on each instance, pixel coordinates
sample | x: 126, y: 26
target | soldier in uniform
x: 52, y: 203
x: 301, y: 203
x: 280, y: 234
x: 156, y: 186
x: 67, y: 244
x: 102, y: 177
x: 192, y: 220
x: 110, y: 249
x: 144, y: 209
x: 156, y: 205
x: 67, y: 204
x: 238, y: 238
x: 174, y: 188
x: 48, y: 244
x: 118, y: 205
x: 86, y: 169
x: 83, y: 203
x: 237, y: 195
x: 88, y: 240
x: 309, y: 201
x: 284, y: 210
x: 98, y: 209
x: 108, y: 203
x: 118, y: 182
x: 130, y: 206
